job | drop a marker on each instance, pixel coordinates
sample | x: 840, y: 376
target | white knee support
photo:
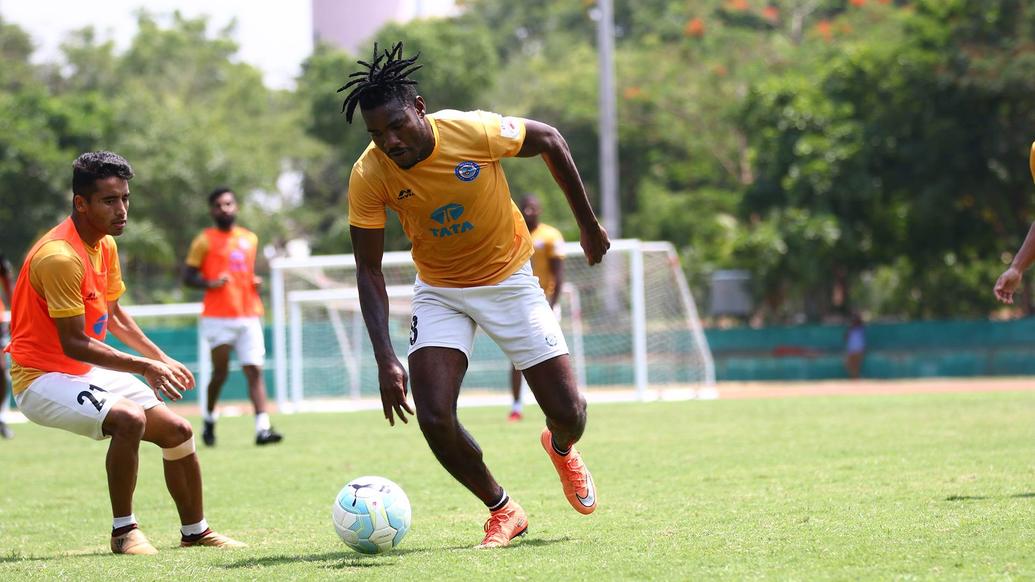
x: 184, y: 449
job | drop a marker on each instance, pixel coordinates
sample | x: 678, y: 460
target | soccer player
x: 1008, y: 282
x: 548, y: 266
x: 441, y: 173
x: 65, y: 376
x: 5, y: 281
x: 221, y: 261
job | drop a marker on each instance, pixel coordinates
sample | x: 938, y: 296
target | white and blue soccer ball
x: 371, y: 515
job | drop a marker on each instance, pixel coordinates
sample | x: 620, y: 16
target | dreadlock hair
x: 386, y: 77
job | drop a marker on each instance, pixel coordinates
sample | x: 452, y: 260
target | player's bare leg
x: 435, y: 376
x: 183, y: 475
x: 264, y: 433
x: 5, y: 431
x: 515, y: 391
x: 220, y: 369
x: 174, y: 435
x: 125, y: 424
x: 553, y: 383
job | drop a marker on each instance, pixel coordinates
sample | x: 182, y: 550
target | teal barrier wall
x: 894, y: 350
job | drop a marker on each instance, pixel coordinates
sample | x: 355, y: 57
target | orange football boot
x: 503, y: 525
x: 575, y: 477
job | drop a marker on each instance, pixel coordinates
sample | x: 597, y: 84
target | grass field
x: 926, y: 486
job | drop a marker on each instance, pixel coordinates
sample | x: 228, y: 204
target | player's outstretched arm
x: 368, y: 245
x: 122, y: 325
x: 542, y: 139
x: 83, y: 348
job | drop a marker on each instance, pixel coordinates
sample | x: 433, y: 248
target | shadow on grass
x: 14, y: 558
x: 1029, y: 495
x: 349, y: 559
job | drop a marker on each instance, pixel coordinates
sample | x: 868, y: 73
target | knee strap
x: 184, y: 449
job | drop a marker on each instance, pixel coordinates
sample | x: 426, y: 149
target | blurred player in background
x: 442, y: 174
x: 65, y: 376
x: 5, y: 283
x: 1008, y: 282
x: 221, y: 261
x: 548, y: 266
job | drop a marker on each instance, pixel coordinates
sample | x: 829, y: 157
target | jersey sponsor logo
x: 449, y: 217
x: 91, y: 296
x: 510, y: 128
x: 404, y: 194
x: 98, y: 326
x: 467, y: 171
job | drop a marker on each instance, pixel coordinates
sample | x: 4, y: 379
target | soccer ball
x: 371, y: 514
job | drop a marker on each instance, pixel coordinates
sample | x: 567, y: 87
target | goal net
x: 631, y: 324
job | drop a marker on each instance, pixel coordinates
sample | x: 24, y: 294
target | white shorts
x: 244, y: 334
x: 514, y: 313
x: 79, y: 404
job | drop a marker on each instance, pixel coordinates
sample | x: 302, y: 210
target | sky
x: 275, y: 36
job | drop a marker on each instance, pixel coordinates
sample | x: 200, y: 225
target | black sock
x: 557, y: 449
x: 123, y: 530
x: 499, y: 504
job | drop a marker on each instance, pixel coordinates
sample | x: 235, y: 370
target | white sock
x: 210, y: 416
x: 262, y: 422
x: 123, y: 521
x: 194, y: 528
x: 516, y: 407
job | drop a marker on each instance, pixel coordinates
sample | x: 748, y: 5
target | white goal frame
x: 288, y: 385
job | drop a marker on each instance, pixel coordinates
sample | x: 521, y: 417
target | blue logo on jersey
x: 98, y: 326
x: 467, y: 171
x: 449, y: 217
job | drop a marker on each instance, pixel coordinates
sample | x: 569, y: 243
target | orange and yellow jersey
x: 61, y: 277
x: 216, y: 253
x: 455, y: 205
x: 547, y: 241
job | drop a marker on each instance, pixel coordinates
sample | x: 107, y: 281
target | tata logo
x: 467, y: 171
x: 449, y: 217
x: 404, y: 194
x: 98, y: 326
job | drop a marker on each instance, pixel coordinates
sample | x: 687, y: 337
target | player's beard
x: 225, y: 222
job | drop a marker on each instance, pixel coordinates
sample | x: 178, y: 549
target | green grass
x: 923, y: 486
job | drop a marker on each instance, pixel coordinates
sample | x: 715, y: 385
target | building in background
x: 349, y: 24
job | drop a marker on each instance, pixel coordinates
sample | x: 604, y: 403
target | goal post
x: 631, y: 323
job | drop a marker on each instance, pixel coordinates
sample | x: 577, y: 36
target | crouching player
x: 64, y: 375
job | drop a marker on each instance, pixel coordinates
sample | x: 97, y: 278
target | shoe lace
x: 494, y: 525
x: 576, y: 471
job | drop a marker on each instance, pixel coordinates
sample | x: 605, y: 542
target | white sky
x: 274, y: 35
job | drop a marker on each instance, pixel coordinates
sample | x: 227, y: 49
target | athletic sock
x: 504, y: 498
x: 122, y: 525
x: 262, y: 422
x: 558, y: 450
x: 194, y: 530
x: 516, y: 407
x: 210, y: 416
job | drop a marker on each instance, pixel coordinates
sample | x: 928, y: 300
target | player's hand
x: 257, y: 281
x: 217, y: 283
x: 163, y: 380
x: 1007, y: 284
x: 393, y: 378
x: 594, y: 243
x: 184, y: 377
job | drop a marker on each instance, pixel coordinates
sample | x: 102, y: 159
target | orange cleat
x: 213, y: 540
x: 575, y: 477
x: 133, y: 543
x: 514, y: 416
x: 503, y: 525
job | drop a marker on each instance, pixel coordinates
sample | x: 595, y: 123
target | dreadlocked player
x: 441, y: 173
